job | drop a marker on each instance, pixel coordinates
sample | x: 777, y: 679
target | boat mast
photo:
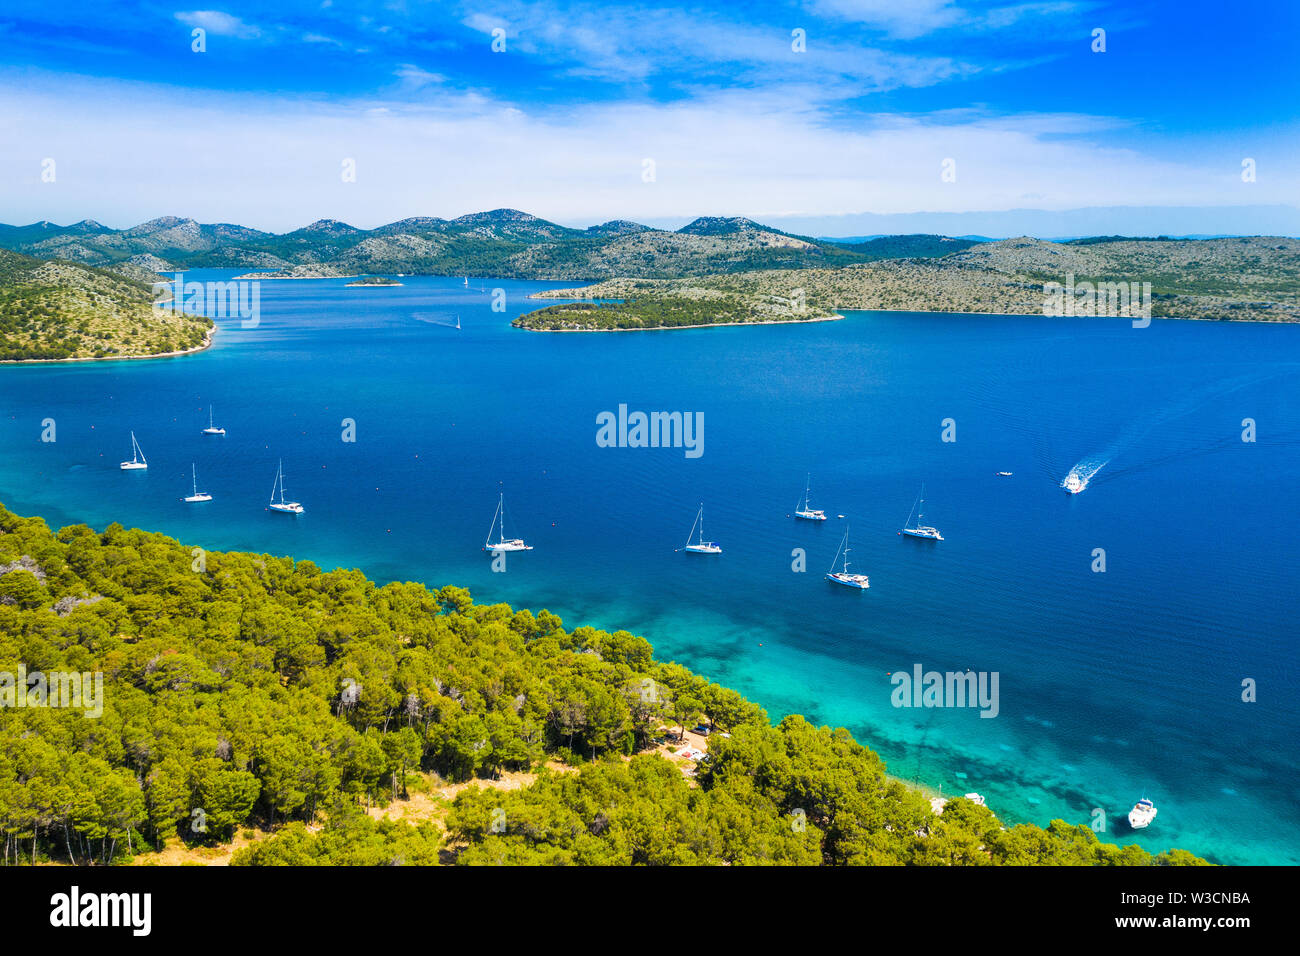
x: 699, y: 520
x: 913, y: 511
x: 501, y: 500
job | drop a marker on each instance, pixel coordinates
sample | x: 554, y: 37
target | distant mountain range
x: 1180, y: 222
x: 505, y: 243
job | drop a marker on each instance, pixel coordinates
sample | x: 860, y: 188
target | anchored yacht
x: 286, y: 507
x: 920, y: 530
x: 137, y: 461
x: 699, y: 545
x: 804, y: 509
x: 197, y: 495
x: 212, y: 429
x: 1142, y: 814
x: 843, y: 576
x: 499, y: 522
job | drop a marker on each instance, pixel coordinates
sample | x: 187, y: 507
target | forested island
x: 299, y: 713
x: 380, y: 281
x: 668, y: 312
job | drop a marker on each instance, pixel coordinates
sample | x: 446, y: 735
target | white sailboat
x: 467, y: 282
x: 920, y: 530
x: 805, y: 509
x: 499, y: 522
x: 212, y: 429
x: 1142, y: 814
x: 286, y: 507
x: 843, y: 576
x: 137, y: 461
x: 700, y: 546
x: 457, y: 321
x: 197, y: 496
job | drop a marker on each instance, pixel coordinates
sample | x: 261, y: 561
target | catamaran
x: 804, y: 509
x: 920, y: 530
x: 1142, y: 814
x: 212, y: 429
x: 137, y: 457
x: 699, y: 545
x: 503, y: 543
x: 842, y: 576
x: 287, y: 507
x: 197, y: 496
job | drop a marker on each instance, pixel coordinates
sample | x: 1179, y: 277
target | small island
x: 657, y: 311
x: 376, y: 281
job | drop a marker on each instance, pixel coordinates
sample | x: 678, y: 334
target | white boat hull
x: 858, y: 581
x: 1139, y: 818
x: 214, y: 431
x: 194, y: 499
x: 507, y: 546
x: 133, y: 466
x: 811, y: 515
x: 289, y: 508
x: 929, y: 533
x: 704, y: 549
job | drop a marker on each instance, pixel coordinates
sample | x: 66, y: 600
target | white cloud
x: 414, y: 78
x: 126, y: 153
x: 221, y: 24
x: 901, y: 18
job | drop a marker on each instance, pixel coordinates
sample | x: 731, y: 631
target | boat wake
x: 447, y: 322
x: 1082, y: 473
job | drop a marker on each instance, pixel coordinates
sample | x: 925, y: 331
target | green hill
x: 63, y: 310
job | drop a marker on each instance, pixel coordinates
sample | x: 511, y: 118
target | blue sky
x: 256, y: 128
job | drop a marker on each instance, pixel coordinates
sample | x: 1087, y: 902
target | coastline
x: 845, y: 308
x: 710, y: 325
x: 207, y: 342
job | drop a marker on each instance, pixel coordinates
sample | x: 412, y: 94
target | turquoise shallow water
x: 1111, y: 684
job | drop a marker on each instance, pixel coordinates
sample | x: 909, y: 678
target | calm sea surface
x: 1111, y: 685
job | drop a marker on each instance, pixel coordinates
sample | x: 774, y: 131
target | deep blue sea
x: 1112, y: 684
